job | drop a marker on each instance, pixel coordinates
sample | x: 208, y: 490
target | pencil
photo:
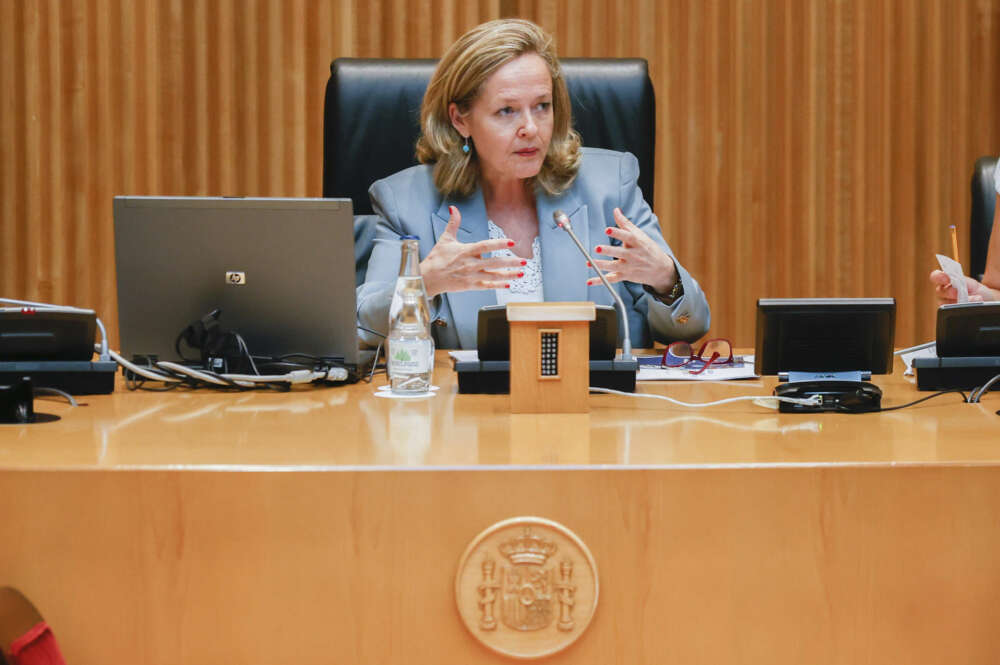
x: 954, y: 244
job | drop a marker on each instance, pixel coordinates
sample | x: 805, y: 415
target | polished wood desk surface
x: 878, y: 545
x: 349, y: 427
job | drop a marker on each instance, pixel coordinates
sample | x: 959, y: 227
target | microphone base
x: 492, y: 377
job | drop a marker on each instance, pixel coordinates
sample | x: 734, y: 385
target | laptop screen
x: 281, y: 272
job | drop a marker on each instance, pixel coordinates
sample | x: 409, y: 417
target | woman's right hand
x: 456, y: 266
x: 946, y: 293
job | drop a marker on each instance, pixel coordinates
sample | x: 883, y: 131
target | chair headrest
x: 981, y: 220
x: 372, y: 117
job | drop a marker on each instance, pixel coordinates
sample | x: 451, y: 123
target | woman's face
x: 510, y: 123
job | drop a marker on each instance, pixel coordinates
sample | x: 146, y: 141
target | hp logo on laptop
x: 236, y: 278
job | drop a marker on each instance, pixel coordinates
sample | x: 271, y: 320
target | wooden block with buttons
x: 549, y: 356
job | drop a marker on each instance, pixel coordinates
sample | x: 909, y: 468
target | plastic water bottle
x: 411, y: 347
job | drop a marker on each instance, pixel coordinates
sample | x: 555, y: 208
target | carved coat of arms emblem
x: 527, y: 587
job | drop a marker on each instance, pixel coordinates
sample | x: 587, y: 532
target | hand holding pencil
x: 948, y: 294
x: 944, y: 289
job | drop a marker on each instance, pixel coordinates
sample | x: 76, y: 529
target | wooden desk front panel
x: 740, y: 565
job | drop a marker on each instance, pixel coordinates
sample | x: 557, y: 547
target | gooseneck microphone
x: 562, y: 221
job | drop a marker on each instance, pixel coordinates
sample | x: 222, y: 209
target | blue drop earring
x: 465, y: 148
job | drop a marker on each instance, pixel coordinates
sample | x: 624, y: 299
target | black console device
x: 844, y: 396
x: 968, y: 348
x: 490, y: 374
x: 826, y: 347
x: 493, y: 333
x: 968, y: 329
x: 54, y: 346
x: 58, y: 333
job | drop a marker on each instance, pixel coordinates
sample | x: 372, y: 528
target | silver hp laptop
x: 280, y: 270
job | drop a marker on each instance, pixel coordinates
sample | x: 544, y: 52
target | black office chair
x: 981, y: 222
x: 372, y: 121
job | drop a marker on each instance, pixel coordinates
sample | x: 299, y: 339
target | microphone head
x: 561, y: 220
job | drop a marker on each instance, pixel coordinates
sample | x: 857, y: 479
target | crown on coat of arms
x: 528, y: 548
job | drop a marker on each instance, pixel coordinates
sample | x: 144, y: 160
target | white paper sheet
x: 953, y: 269
x: 463, y: 355
x: 921, y: 351
x: 742, y: 368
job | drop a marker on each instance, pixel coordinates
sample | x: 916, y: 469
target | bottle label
x: 409, y: 357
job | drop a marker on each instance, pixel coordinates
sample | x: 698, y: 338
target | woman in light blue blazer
x: 499, y: 157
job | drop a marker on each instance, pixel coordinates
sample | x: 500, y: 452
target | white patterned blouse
x: 523, y: 289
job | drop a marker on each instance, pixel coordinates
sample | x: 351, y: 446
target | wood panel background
x: 804, y: 147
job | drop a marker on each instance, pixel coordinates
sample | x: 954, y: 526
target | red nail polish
x: 506, y: 286
x: 588, y: 265
x: 520, y: 274
x: 598, y: 250
x: 524, y: 263
x: 608, y: 231
x: 510, y: 243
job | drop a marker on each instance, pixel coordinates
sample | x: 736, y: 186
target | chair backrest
x: 981, y: 223
x: 372, y: 117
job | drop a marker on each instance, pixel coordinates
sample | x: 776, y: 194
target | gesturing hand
x: 639, y: 258
x: 456, y: 266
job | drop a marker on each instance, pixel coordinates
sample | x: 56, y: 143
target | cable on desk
x: 815, y: 400
x: 207, y: 377
x: 55, y: 391
x: 374, y: 332
x: 378, y: 350
x: 761, y: 399
x: 357, y: 315
x: 177, y: 374
x: 924, y: 399
x: 144, y: 372
x: 977, y: 394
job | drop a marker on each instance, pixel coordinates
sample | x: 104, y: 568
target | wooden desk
x: 325, y: 526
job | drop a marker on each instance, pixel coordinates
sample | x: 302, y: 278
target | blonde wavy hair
x: 460, y: 77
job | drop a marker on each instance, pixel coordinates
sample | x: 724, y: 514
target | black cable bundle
x: 220, y: 350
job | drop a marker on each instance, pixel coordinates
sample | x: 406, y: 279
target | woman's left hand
x: 639, y: 258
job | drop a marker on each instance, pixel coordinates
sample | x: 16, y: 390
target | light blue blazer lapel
x: 465, y: 305
x: 564, y: 270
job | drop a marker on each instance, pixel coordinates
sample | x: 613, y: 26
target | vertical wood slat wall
x: 804, y: 147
